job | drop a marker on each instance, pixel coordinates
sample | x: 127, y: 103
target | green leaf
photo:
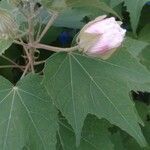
x: 134, y: 46
x: 28, y: 118
x: 5, y: 44
x: 95, y: 135
x: 57, y: 5
x: 5, y: 4
x: 145, y: 34
x: 117, y: 141
x: 97, y: 4
x: 73, y: 15
x: 72, y: 18
x: 17, y: 16
x: 7, y: 29
x: 145, y: 57
x: 61, y: 5
x: 128, y: 142
x: 135, y: 7
x: 114, y: 3
x: 81, y: 85
x: 144, y: 111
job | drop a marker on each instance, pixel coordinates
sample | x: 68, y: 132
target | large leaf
x: 64, y: 4
x: 80, y: 85
x: 95, y: 135
x: 135, y: 7
x: 28, y: 118
x: 97, y: 4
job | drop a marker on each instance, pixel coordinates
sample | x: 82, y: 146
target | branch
x: 20, y: 43
x: 48, y: 47
x: 53, y: 48
x: 31, y: 37
x: 39, y: 62
x: 26, y: 70
x: 11, y: 66
x: 11, y: 61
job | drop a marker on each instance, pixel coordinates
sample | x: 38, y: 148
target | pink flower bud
x: 101, y: 37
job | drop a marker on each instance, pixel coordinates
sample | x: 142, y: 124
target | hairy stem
x: 53, y: 48
x: 31, y: 37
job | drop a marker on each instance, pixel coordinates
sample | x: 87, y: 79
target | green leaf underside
x: 94, y: 136
x: 27, y: 117
x: 80, y: 85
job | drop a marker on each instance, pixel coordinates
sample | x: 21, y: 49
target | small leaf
x: 27, y: 116
x: 81, y: 85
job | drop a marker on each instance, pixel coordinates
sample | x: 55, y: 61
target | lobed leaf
x: 80, y: 85
x: 28, y: 118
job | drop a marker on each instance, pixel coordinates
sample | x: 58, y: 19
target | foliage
x: 55, y: 98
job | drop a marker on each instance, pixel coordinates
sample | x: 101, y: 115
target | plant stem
x: 20, y: 43
x: 53, y: 48
x: 49, y: 24
x: 48, y: 47
x: 26, y: 70
x: 11, y: 66
x: 39, y: 62
x: 8, y: 59
x: 31, y: 37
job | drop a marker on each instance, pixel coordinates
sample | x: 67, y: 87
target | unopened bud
x: 101, y: 37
